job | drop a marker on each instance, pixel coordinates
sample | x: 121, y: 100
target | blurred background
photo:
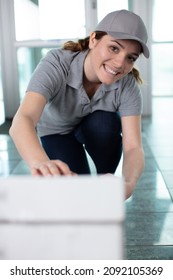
x: 29, y: 28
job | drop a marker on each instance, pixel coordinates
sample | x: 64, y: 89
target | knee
x: 101, y: 122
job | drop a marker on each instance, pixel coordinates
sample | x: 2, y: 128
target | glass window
x: 162, y: 20
x: 47, y: 20
x: 28, y: 58
x: 162, y: 69
x: 162, y: 46
x: 2, y: 114
x: 110, y: 6
x: 26, y: 14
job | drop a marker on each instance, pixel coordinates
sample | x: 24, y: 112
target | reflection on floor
x: 149, y: 212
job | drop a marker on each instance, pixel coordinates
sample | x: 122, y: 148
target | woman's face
x: 110, y: 59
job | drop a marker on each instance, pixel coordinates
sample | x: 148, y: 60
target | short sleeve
x: 130, y: 97
x: 47, y: 77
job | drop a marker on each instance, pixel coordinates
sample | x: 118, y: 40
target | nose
x: 119, y: 61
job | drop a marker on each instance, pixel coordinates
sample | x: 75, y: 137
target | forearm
x: 26, y: 140
x: 133, y: 165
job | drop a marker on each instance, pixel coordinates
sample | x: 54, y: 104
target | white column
x: 144, y: 9
x: 8, y: 58
x: 90, y: 15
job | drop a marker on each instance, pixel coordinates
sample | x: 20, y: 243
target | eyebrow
x: 122, y: 46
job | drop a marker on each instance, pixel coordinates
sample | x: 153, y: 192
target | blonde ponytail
x: 137, y: 76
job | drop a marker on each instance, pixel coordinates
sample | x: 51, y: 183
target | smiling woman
x: 83, y: 98
x: 110, y: 60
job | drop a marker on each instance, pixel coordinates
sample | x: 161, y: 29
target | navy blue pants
x: 99, y: 134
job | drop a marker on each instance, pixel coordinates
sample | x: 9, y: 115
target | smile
x: 110, y: 71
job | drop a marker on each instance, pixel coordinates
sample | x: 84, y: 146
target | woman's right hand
x: 51, y: 168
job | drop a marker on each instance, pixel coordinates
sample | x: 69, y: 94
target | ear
x: 92, y: 40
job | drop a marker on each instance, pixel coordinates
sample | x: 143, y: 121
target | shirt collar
x: 75, y: 75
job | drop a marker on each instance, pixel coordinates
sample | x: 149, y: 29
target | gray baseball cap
x: 124, y: 24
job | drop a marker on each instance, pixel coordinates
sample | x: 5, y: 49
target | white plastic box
x: 61, y: 218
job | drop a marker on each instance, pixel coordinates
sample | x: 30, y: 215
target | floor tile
x: 162, y: 151
x: 150, y: 164
x: 149, y: 252
x: 150, y: 228
x: 165, y: 163
x: 168, y: 177
x: 6, y: 142
x: 7, y: 167
x: 9, y: 155
x: 145, y: 200
x: 151, y: 180
x: 21, y: 169
x: 171, y: 192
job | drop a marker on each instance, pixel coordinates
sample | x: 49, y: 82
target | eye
x: 114, y: 49
x: 132, y: 59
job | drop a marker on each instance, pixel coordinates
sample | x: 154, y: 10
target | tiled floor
x: 149, y: 212
x: 149, y: 222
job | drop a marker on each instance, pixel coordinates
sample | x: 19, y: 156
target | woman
x: 85, y: 96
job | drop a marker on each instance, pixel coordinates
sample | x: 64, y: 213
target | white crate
x: 61, y: 217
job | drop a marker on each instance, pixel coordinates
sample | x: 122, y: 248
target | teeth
x: 109, y: 70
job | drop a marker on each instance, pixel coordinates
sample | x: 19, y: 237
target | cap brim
x: 125, y: 36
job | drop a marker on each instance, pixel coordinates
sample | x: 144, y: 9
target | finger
x: 45, y: 169
x: 35, y: 172
x: 63, y: 168
x: 54, y: 168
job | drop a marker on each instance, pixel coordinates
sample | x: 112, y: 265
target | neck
x: 90, y: 87
x: 90, y: 82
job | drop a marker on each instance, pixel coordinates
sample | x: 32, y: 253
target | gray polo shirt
x: 58, y: 77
